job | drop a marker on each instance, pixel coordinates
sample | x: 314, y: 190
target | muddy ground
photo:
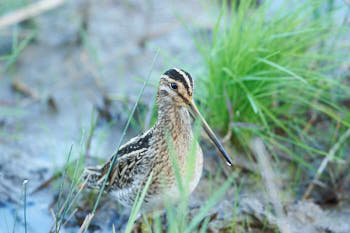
x: 83, y: 52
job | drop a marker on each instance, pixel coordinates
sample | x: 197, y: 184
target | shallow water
x: 38, y: 217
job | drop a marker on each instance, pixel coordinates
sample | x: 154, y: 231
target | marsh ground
x: 90, y: 55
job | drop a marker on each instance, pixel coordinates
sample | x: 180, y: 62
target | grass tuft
x: 275, y: 68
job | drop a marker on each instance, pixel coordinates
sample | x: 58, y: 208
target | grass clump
x: 271, y: 69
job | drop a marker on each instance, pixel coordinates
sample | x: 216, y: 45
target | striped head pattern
x: 176, y: 87
x: 176, y: 84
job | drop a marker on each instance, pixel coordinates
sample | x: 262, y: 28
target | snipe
x: 150, y: 152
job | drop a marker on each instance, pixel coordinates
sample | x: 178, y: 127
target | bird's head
x: 176, y: 88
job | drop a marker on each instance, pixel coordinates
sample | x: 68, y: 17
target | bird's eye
x: 173, y: 85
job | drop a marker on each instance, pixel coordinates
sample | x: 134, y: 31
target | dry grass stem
x: 54, y: 220
x: 28, y: 12
x: 270, y: 181
x: 47, y: 182
x: 325, y: 161
x: 69, y: 218
x: 24, y: 89
x: 86, y: 222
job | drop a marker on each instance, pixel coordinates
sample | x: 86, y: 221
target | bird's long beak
x: 196, y: 114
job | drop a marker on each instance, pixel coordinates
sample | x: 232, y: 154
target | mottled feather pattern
x: 128, y: 163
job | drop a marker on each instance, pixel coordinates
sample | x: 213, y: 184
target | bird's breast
x: 190, y: 164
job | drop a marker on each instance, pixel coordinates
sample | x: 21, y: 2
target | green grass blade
x: 208, y: 205
x: 137, y: 205
x: 61, y: 189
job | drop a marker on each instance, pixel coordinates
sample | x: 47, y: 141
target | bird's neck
x: 175, y: 121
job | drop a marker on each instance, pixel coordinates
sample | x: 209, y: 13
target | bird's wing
x: 129, y: 163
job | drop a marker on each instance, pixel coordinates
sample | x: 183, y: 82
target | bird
x: 151, y: 152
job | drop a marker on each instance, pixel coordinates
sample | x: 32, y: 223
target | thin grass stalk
x: 86, y: 222
x: 170, y: 215
x: 182, y: 211
x: 7, y: 225
x: 69, y: 217
x: 16, y: 213
x: 137, y: 205
x: 235, y: 208
x: 148, y: 225
x: 25, y: 182
x: 205, y: 225
x: 157, y: 225
x: 270, y: 184
x: 65, y: 209
x: 69, y: 202
x: 178, y: 220
x: 209, y: 204
x: 174, y: 163
x: 326, y: 160
x: 148, y: 118
x: 120, y: 143
x: 17, y: 50
x: 75, y: 198
x: 192, y: 154
x: 61, y: 189
x: 93, y: 123
x: 179, y: 216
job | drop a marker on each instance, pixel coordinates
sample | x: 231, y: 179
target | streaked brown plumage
x: 150, y: 152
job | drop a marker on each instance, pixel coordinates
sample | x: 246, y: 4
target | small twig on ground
x: 270, y: 181
x: 30, y: 11
x: 47, y: 182
x: 24, y: 89
x: 324, y: 163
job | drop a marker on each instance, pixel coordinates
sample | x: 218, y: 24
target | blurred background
x: 274, y: 70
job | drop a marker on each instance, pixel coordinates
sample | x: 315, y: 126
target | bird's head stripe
x: 181, y: 76
x: 186, y: 77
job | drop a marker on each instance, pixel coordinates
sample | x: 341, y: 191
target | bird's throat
x: 176, y: 121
